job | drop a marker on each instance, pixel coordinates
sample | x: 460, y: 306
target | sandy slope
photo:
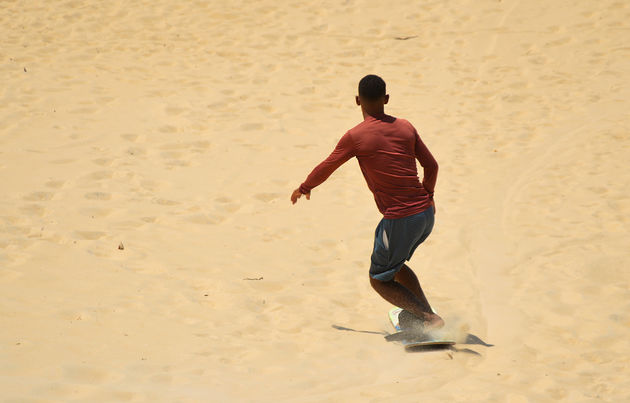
x: 180, y: 129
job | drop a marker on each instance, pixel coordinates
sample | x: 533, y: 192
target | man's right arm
x: 342, y: 153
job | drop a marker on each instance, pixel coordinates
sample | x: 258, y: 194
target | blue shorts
x: 395, y: 240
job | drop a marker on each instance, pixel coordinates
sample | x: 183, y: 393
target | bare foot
x: 433, y: 321
x: 428, y: 321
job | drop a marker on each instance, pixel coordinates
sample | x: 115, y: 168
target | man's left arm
x: 428, y: 163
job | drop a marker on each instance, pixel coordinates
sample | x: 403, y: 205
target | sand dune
x: 179, y: 129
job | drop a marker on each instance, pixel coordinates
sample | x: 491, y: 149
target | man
x: 387, y: 148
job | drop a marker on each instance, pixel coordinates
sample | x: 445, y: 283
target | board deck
x: 413, y: 340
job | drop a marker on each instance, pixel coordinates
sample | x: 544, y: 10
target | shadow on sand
x: 471, y: 339
x: 347, y: 329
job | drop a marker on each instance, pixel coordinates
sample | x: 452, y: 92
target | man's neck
x: 376, y: 113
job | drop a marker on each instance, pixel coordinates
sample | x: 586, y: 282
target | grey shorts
x: 395, y: 240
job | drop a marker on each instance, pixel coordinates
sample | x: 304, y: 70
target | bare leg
x: 400, y: 293
x: 408, y: 279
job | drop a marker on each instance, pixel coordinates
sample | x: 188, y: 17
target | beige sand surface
x: 181, y: 128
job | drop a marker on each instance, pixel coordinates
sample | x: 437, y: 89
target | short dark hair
x: 372, y: 87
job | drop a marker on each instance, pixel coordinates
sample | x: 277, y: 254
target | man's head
x: 372, y: 87
x: 372, y: 95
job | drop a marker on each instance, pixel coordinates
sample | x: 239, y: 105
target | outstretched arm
x: 342, y: 153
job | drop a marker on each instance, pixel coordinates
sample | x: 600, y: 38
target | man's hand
x: 297, y: 194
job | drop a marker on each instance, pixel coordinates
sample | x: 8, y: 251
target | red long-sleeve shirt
x: 387, y: 149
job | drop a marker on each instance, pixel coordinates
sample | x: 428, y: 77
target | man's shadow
x: 470, y: 339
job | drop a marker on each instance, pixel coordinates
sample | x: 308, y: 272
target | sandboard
x: 414, y: 339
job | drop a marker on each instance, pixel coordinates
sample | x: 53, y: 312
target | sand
x: 149, y: 251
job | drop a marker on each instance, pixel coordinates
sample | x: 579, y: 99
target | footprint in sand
x: 201, y: 145
x: 88, y: 375
x: 7, y: 274
x: 162, y: 379
x: 559, y: 42
x: 99, y: 175
x: 177, y: 154
x: 271, y: 236
x: 177, y: 163
x: 34, y: 210
x: 304, y: 146
x: 267, y: 197
x: 326, y: 245
x: 105, y: 100
x: 129, y: 224
x: 174, y: 110
x: 252, y: 126
x: 206, y: 219
x: 171, y: 154
x: 84, y: 110
x: 104, y: 162
x: 90, y: 235
x: 133, y: 138
x: 175, y: 146
x: 227, y: 205
x: 39, y: 196
x: 150, y: 185
x: 55, y: 184
x: 63, y: 161
x: 96, y: 212
x: 15, y: 250
x: 308, y: 90
x: 266, y: 108
x: 168, y: 129
x: 136, y: 152
x: 98, y: 196
x: 254, y: 146
x: 166, y: 202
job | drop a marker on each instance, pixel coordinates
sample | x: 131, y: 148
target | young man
x: 387, y: 148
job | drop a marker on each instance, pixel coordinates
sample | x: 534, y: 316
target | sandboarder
x: 387, y: 148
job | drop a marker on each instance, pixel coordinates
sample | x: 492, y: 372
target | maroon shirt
x: 386, y: 148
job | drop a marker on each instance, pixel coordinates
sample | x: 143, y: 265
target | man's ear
x: 386, y: 99
x: 357, y: 100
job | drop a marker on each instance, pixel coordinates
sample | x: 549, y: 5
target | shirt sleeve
x: 429, y: 164
x: 342, y: 153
